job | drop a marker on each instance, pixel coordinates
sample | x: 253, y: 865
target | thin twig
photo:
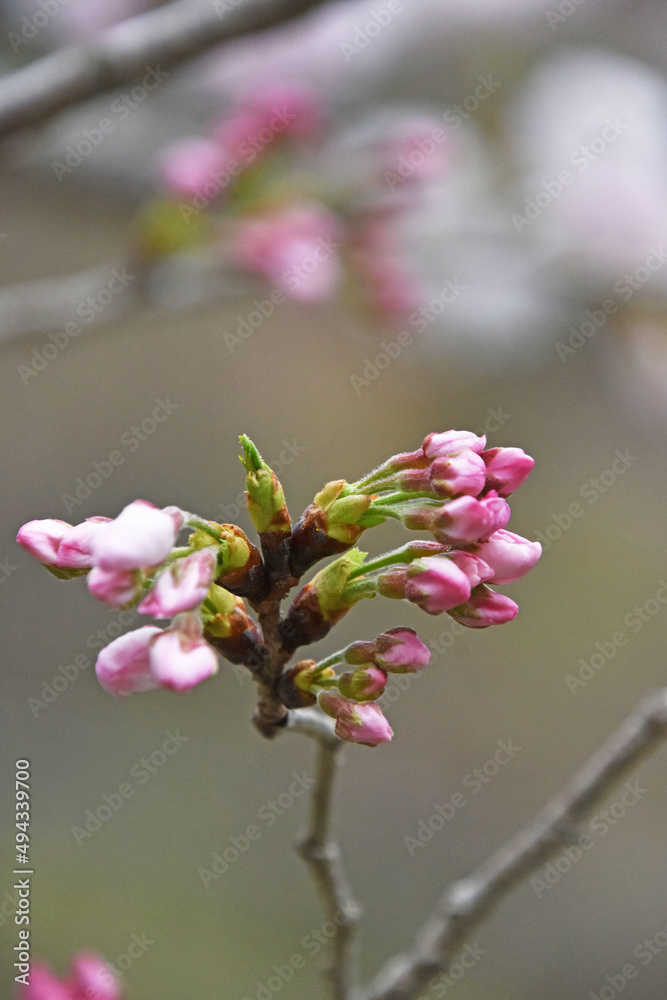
x: 323, y: 855
x: 468, y: 902
x: 126, y: 51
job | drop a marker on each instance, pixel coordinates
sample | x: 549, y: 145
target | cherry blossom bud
x: 43, y: 985
x: 509, y: 555
x: 123, y: 667
x: 75, y: 547
x: 451, y: 442
x: 117, y: 588
x: 294, y: 684
x: 93, y: 978
x: 356, y: 723
x: 265, y: 496
x: 466, y: 519
x: 180, y: 657
x: 485, y: 607
x: 474, y: 568
x: 436, y: 584
x: 42, y: 538
x: 188, y: 167
x: 140, y: 536
x: 363, y: 684
x: 181, y: 586
x: 460, y: 474
x: 506, y: 469
x: 400, y: 650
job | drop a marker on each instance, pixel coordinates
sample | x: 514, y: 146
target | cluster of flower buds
x: 133, y: 560
x: 90, y: 978
x: 348, y: 697
x: 258, y: 191
x: 452, y: 486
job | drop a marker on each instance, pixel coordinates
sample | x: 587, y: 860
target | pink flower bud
x: 506, y: 469
x: 295, y: 248
x: 140, y: 536
x: 461, y: 474
x: 93, y: 978
x: 450, y: 443
x: 75, y: 549
x: 356, y: 723
x: 179, y: 658
x: 42, y: 538
x: 485, y: 607
x: 509, y: 555
x: 43, y: 985
x: 238, y: 135
x: 114, y: 587
x: 474, y: 568
x: 466, y: 519
x: 123, y: 667
x: 181, y: 586
x: 188, y: 167
x: 400, y: 650
x: 436, y: 584
x: 363, y: 684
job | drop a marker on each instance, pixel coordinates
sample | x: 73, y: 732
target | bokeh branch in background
x: 468, y: 902
x: 121, y: 54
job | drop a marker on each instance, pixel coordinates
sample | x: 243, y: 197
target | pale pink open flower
x: 93, y: 979
x: 140, y: 536
x: 76, y: 545
x: 42, y: 538
x: 115, y: 587
x: 181, y: 586
x: 485, y: 607
x: 295, y: 248
x: 506, y: 469
x: 123, y: 667
x: 179, y: 658
x: 509, y: 555
x: 400, y: 650
x: 436, y: 584
x: 357, y: 723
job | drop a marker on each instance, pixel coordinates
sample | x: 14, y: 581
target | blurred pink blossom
x: 295, y: 248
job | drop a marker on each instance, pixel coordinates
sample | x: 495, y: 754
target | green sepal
x: 264, y: 493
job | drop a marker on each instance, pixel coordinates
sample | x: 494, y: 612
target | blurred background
x: 489, y: 180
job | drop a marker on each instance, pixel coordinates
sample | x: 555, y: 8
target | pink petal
x: 123, y: 667
x: 140, y: 536
x: 75, y: 549
x: 42, y: 538
x: 179, y: 661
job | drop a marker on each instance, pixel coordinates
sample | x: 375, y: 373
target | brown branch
x: 123, y: 53
x: 323, y: 855
x: 468, y: 902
